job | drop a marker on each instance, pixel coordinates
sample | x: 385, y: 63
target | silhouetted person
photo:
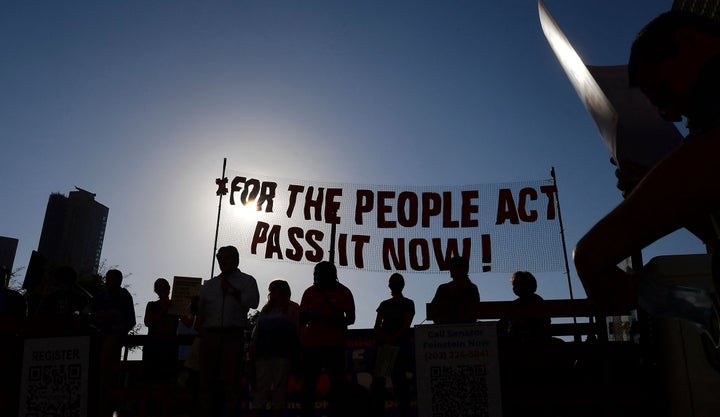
x: 222, y: 320
x: 160, y: 350
x: 675, y: 61
x: 392, y: 335
x: 525, y: 324
x: 522, y: 323
x: 327, y: 309
x: 160, y: 362
x: 113, y: 313
x: 64, y: 309
x: 113, y: 307
x: 455, y: 301
x: 275, y: 348
x: 67, y: 299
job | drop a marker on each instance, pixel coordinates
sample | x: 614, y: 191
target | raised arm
x: 683, y: 189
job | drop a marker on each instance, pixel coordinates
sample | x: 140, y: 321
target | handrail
x: 488, y: 310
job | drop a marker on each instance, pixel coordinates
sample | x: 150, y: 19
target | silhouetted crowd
x: 235, y: 361
x: 674, y: 61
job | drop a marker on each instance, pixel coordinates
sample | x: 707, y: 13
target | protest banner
x: 499, y: 227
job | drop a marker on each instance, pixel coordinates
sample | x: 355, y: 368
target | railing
x: 594, y: 377
x: 594, y: 324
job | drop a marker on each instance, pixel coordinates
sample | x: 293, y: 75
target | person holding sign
x: 675, y: 61
x: 392, y: 332
x: 455, y: 301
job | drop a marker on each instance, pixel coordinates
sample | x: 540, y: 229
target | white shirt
x: 222, y: 309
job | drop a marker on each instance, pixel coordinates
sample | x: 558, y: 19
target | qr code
x: 459, y: 391
x: 53, y: 390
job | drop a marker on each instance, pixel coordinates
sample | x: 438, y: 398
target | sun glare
x: 592, y: 96
x: 247, y: 211
x: 566, y: 54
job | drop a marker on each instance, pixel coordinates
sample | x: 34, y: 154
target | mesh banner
x: 499, y: 227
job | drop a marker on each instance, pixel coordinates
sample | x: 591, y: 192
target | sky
x: 140, y: 101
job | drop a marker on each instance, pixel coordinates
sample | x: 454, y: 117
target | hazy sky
x: 140, y: 101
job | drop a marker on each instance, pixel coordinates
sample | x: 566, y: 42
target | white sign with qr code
x: 55, y: 377
x: 458, y: 370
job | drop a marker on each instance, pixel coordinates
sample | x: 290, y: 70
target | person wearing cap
x: 455, y: 301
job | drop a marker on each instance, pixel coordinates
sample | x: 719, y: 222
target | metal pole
x: 333, y: 228
x: 562, y: 232
x: 217, y: 224
x: 564, y: 246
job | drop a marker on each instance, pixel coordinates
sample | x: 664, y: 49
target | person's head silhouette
x: 459, y: 267
x: 325, y: 274
x: 523, y: 283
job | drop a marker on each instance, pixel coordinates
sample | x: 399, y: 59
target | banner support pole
x: 562, y: 232
x: 564, y: 246
x: 217, y: 223
x: 333, y: 228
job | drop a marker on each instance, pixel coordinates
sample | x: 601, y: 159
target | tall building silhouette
x: 73, y: 231
x: 8, y: 246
